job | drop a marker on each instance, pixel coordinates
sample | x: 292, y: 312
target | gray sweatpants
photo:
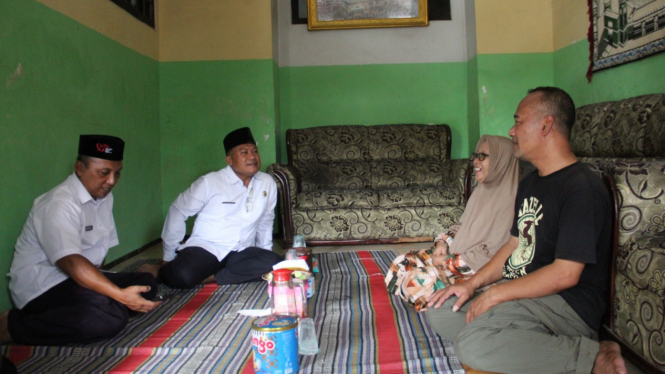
x: 542, y: 335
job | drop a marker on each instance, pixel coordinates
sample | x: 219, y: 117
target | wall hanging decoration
x: 437, y: 10
x: 354, y: 14
x: 622, y: 31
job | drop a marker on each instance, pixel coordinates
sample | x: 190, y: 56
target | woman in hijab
x: 483, y: 229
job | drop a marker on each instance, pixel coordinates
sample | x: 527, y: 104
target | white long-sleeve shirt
x: 62, y: 222
x: 229, y: 216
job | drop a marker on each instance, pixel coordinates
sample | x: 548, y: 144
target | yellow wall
x: 242, y: 29
x: 571, y: 22
x: 514, y: 26
x: 188, y: 30
x: 112, y: 21
x: 215, y: 30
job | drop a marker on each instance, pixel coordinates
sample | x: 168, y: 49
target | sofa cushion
x: 414, y: 197
x: 639, y: 299
x: 642, y: 260
x: 640, y: 186
x: 336, y: 199
x: 408, y: 142
x: 626, y: 128
x: 373, y: 224
x: 388, y: 174
x: 336, y: 176
x: 328, y: 144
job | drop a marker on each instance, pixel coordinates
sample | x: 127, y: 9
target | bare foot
x: 210, y: 279
x: 4, y: 328
x: 149, y: 268
x: 609, y: 360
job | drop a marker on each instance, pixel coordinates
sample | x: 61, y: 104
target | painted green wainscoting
x: 376, y: 94
x: 503, y: 81
x: 278, y: 121
x: 636, y: 78
x: 59, y: 80
x: 473, y: 107
x: 203, y: 101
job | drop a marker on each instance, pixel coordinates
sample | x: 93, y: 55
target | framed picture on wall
x: 437, y: 10
x: 625, y: 31
x: 355, y: 14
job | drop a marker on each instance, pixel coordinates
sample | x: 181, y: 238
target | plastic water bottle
x: 308, y: 343
x: 302, y: 251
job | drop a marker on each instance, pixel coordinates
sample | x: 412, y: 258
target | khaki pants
x: 542, y: 335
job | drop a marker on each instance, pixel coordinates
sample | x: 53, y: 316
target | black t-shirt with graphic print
x: 565, y: 215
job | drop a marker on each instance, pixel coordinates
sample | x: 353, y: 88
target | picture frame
x: 359, y: 14
x: 625, y: 31
x: 437, y: 10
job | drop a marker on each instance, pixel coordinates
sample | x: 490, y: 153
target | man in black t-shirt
x: 545, y: 316
x: 565, y: 215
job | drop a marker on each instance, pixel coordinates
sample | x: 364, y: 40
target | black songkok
x: 101, y: 146
x: 237, y: 137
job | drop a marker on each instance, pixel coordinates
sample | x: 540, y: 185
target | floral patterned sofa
x: 369, y: 184
x: 625, y: 141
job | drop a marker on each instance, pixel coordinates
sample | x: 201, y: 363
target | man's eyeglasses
x: 250, y: 204
x: 479, y: 155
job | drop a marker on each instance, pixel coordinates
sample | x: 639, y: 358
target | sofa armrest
x: 286, y: 176
x: 455, y: 175
x: 608, y: 181
x: 288, y: 186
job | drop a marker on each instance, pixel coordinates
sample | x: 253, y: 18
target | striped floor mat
x: 361, y: 329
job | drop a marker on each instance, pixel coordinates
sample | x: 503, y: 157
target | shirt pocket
x: 219, y: 222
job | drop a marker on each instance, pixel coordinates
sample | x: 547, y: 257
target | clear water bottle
x: 282, y: 293
x: 302, y: 251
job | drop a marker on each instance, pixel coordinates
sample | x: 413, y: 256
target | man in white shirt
x: 59, y: 293
x: 232, y: 237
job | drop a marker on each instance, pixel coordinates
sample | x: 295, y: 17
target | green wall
x: 201, y: 102
x: 73, y: 81
x: 636, y: 78
x: 376, y: 94
x: 278, y: 114
x: 473, y: 104
x: 503, y: 81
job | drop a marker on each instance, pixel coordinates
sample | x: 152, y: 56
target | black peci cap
x: 101, y: 146
x: 237, y: 137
